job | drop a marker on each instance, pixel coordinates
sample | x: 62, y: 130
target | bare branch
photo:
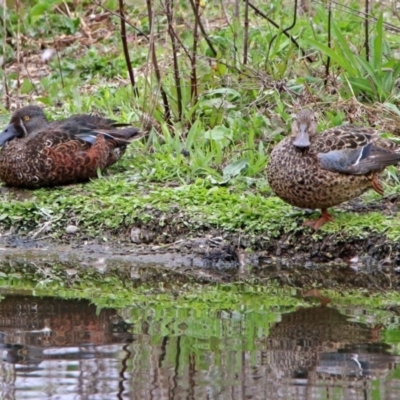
x: 246, y: 32
x: 328, y: 61
x: 167, y: 111
x: 175, y: 49
x: 292, y: 39
x: 366, y: 24
x: 125, y: 47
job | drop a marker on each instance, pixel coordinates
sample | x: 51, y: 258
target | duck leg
x: 317, y: 223
x: 377, y: 185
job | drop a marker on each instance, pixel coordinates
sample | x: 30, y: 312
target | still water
x: 69, y: 349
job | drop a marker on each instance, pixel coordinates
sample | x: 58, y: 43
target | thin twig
x: 175, y: 48
x: 167, y: 111
x: 6, y: 91
x: 328, y: 61
x: 292, y: 39
x: 8, y: 33
x: 58, y: 59
x: 360, y: 14
x: 366, y: 24
x: 193, y: 58
x: 246, y: 32
x: 125, y: 47
x: 119, y: 16
x: 29, y: 77
x: 236, y: 13
x: 59, y: 63
x: 207, y: 39
x: 18, y: 5
x: 286, y: 30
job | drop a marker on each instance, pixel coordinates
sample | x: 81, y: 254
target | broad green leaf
x: 377, y: 56
x: 337, y: 58
x: 219, y: 132
x: 346, y: 52
x: 235, y: 168
x: 392, y: 107
x: 193, y: 133
x: 371, y: 73
x: 225, y: 91
x: 362, y: 84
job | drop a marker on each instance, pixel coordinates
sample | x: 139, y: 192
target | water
x: 53, y: 348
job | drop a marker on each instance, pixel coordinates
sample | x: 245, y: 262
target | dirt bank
x: 300, y: 259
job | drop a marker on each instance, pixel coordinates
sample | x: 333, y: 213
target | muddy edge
x: 301, y: 259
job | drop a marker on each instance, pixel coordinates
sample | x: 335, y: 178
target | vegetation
x: 259, y: 305
x: 214, y: 84
x: 214, y: 88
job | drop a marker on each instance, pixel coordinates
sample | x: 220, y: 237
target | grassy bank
x: 114, y: 204
x: 202, y: 165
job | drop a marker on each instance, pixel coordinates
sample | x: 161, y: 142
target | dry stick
x: 8, y: 33
x: 234, y: 31
x: 125, y: 47
x: 17, y: 4
x: 246, y: 32
x: 4, y: 56
x: 236, y: 13
x: 58, y: 60
x: 284, y: 31
x: 59, y: 63
x: 175, y: 49
x: 366, y: 30
x: 119, y: 16
x: 361, y: 14
x: 193, y: 75
x: 167, y: 111
x: 328, y: 61
x: 207, y: 39
x: 292, y: 39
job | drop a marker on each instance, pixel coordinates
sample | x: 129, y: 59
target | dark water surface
x: 69, y: 349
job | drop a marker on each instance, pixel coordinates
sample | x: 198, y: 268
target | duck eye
x: 27, y: 118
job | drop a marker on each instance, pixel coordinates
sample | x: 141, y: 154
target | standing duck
x: 311, y: 170
x: 37, y: 153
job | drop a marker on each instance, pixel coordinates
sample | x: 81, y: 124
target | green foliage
x: 374, y: 79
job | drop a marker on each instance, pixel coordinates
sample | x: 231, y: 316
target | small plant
x: 370, y: 80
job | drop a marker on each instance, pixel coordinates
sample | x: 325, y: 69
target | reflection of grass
x: 217, y: 311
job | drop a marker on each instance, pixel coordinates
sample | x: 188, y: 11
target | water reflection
x: 59, y: 348
x: 68, y: 349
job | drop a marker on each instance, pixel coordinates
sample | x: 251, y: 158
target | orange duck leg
x: 317, y: 223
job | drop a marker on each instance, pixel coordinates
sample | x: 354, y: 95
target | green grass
x: 114, y: 204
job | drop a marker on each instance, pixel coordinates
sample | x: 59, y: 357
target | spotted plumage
x: 39, y: 153
x: 311, y: 170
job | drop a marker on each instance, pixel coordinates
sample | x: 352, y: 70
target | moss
x: 116, y: 204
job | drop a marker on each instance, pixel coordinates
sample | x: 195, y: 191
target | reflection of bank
x: 319, y: 346
x: 39, y: 329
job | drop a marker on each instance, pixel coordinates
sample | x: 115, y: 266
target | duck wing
x: 354, y: 150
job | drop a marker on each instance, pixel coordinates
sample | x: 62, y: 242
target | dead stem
x: 125, y: 47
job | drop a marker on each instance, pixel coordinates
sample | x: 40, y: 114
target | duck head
x: 304, y: 127
x: 23, y: 122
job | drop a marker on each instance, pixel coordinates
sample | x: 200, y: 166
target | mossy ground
x: 203, y: 169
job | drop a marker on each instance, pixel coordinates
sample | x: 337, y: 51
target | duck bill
x: 302, y: 140
x: 8, y: 134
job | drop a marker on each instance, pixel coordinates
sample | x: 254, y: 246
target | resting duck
x: 311, y: 170
x: 37, y: 153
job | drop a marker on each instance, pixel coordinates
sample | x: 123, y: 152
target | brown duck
x: 311, y: 170
x: 39, y: 153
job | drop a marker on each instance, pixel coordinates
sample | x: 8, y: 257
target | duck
x: 315, y: 170
x: 37, y: 153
